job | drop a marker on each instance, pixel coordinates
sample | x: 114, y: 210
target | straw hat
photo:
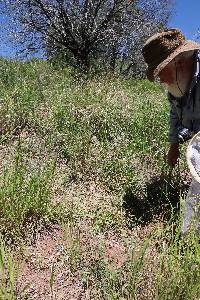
x: 162, y: 47
x: 193, y: 156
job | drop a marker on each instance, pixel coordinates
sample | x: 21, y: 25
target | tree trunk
x: 113, y: 59
x: 82, y: 58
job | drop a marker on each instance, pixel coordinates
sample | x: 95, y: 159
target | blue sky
x: 186, y: 16
x: 6, y: 49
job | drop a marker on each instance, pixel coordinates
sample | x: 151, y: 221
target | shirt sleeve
x: 174, y: 121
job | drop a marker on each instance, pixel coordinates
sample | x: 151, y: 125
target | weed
x: 7, y: 273
x: 25, y: 199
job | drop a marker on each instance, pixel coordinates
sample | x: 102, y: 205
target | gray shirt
x: 187, y: 107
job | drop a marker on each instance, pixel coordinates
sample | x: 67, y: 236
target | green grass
x: 89, y: 155
x: 7, y: 291
x: 25, y: 195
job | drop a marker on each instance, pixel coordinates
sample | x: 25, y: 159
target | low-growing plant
x: 25, y: 198
x: 178, y: 269
x: 72, y: 249
x: 7, y: 273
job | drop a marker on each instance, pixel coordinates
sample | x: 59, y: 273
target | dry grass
x: 88, y: 207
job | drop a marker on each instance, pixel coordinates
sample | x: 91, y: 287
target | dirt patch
x: 44, y: 273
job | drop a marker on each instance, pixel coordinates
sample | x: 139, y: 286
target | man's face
x: 180, y: 67
x: 177, y: 75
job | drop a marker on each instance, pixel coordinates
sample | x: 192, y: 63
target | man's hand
x: 173, y: 154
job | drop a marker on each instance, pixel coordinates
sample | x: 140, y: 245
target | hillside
x: 89, y: 208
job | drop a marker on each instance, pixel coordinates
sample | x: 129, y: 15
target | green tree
x: 86, y: 29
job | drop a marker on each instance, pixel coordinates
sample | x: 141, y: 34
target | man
x: 175, y: 61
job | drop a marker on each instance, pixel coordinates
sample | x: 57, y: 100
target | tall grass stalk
x: 7, y: 273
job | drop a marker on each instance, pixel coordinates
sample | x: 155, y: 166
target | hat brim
x: 186, y: 46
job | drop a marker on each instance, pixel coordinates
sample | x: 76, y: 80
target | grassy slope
x: 88, y: 156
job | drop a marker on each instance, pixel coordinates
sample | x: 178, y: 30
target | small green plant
x: 51, y: 281
x: 178, y: 273
x: 7, y: 273
x: 25, y: 198
x: 72, y: 248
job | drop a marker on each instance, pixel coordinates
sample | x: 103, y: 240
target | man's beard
x: 180, y: 87
x: 182, y: 75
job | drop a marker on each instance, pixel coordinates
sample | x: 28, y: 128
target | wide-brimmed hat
x: 162, y: 47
